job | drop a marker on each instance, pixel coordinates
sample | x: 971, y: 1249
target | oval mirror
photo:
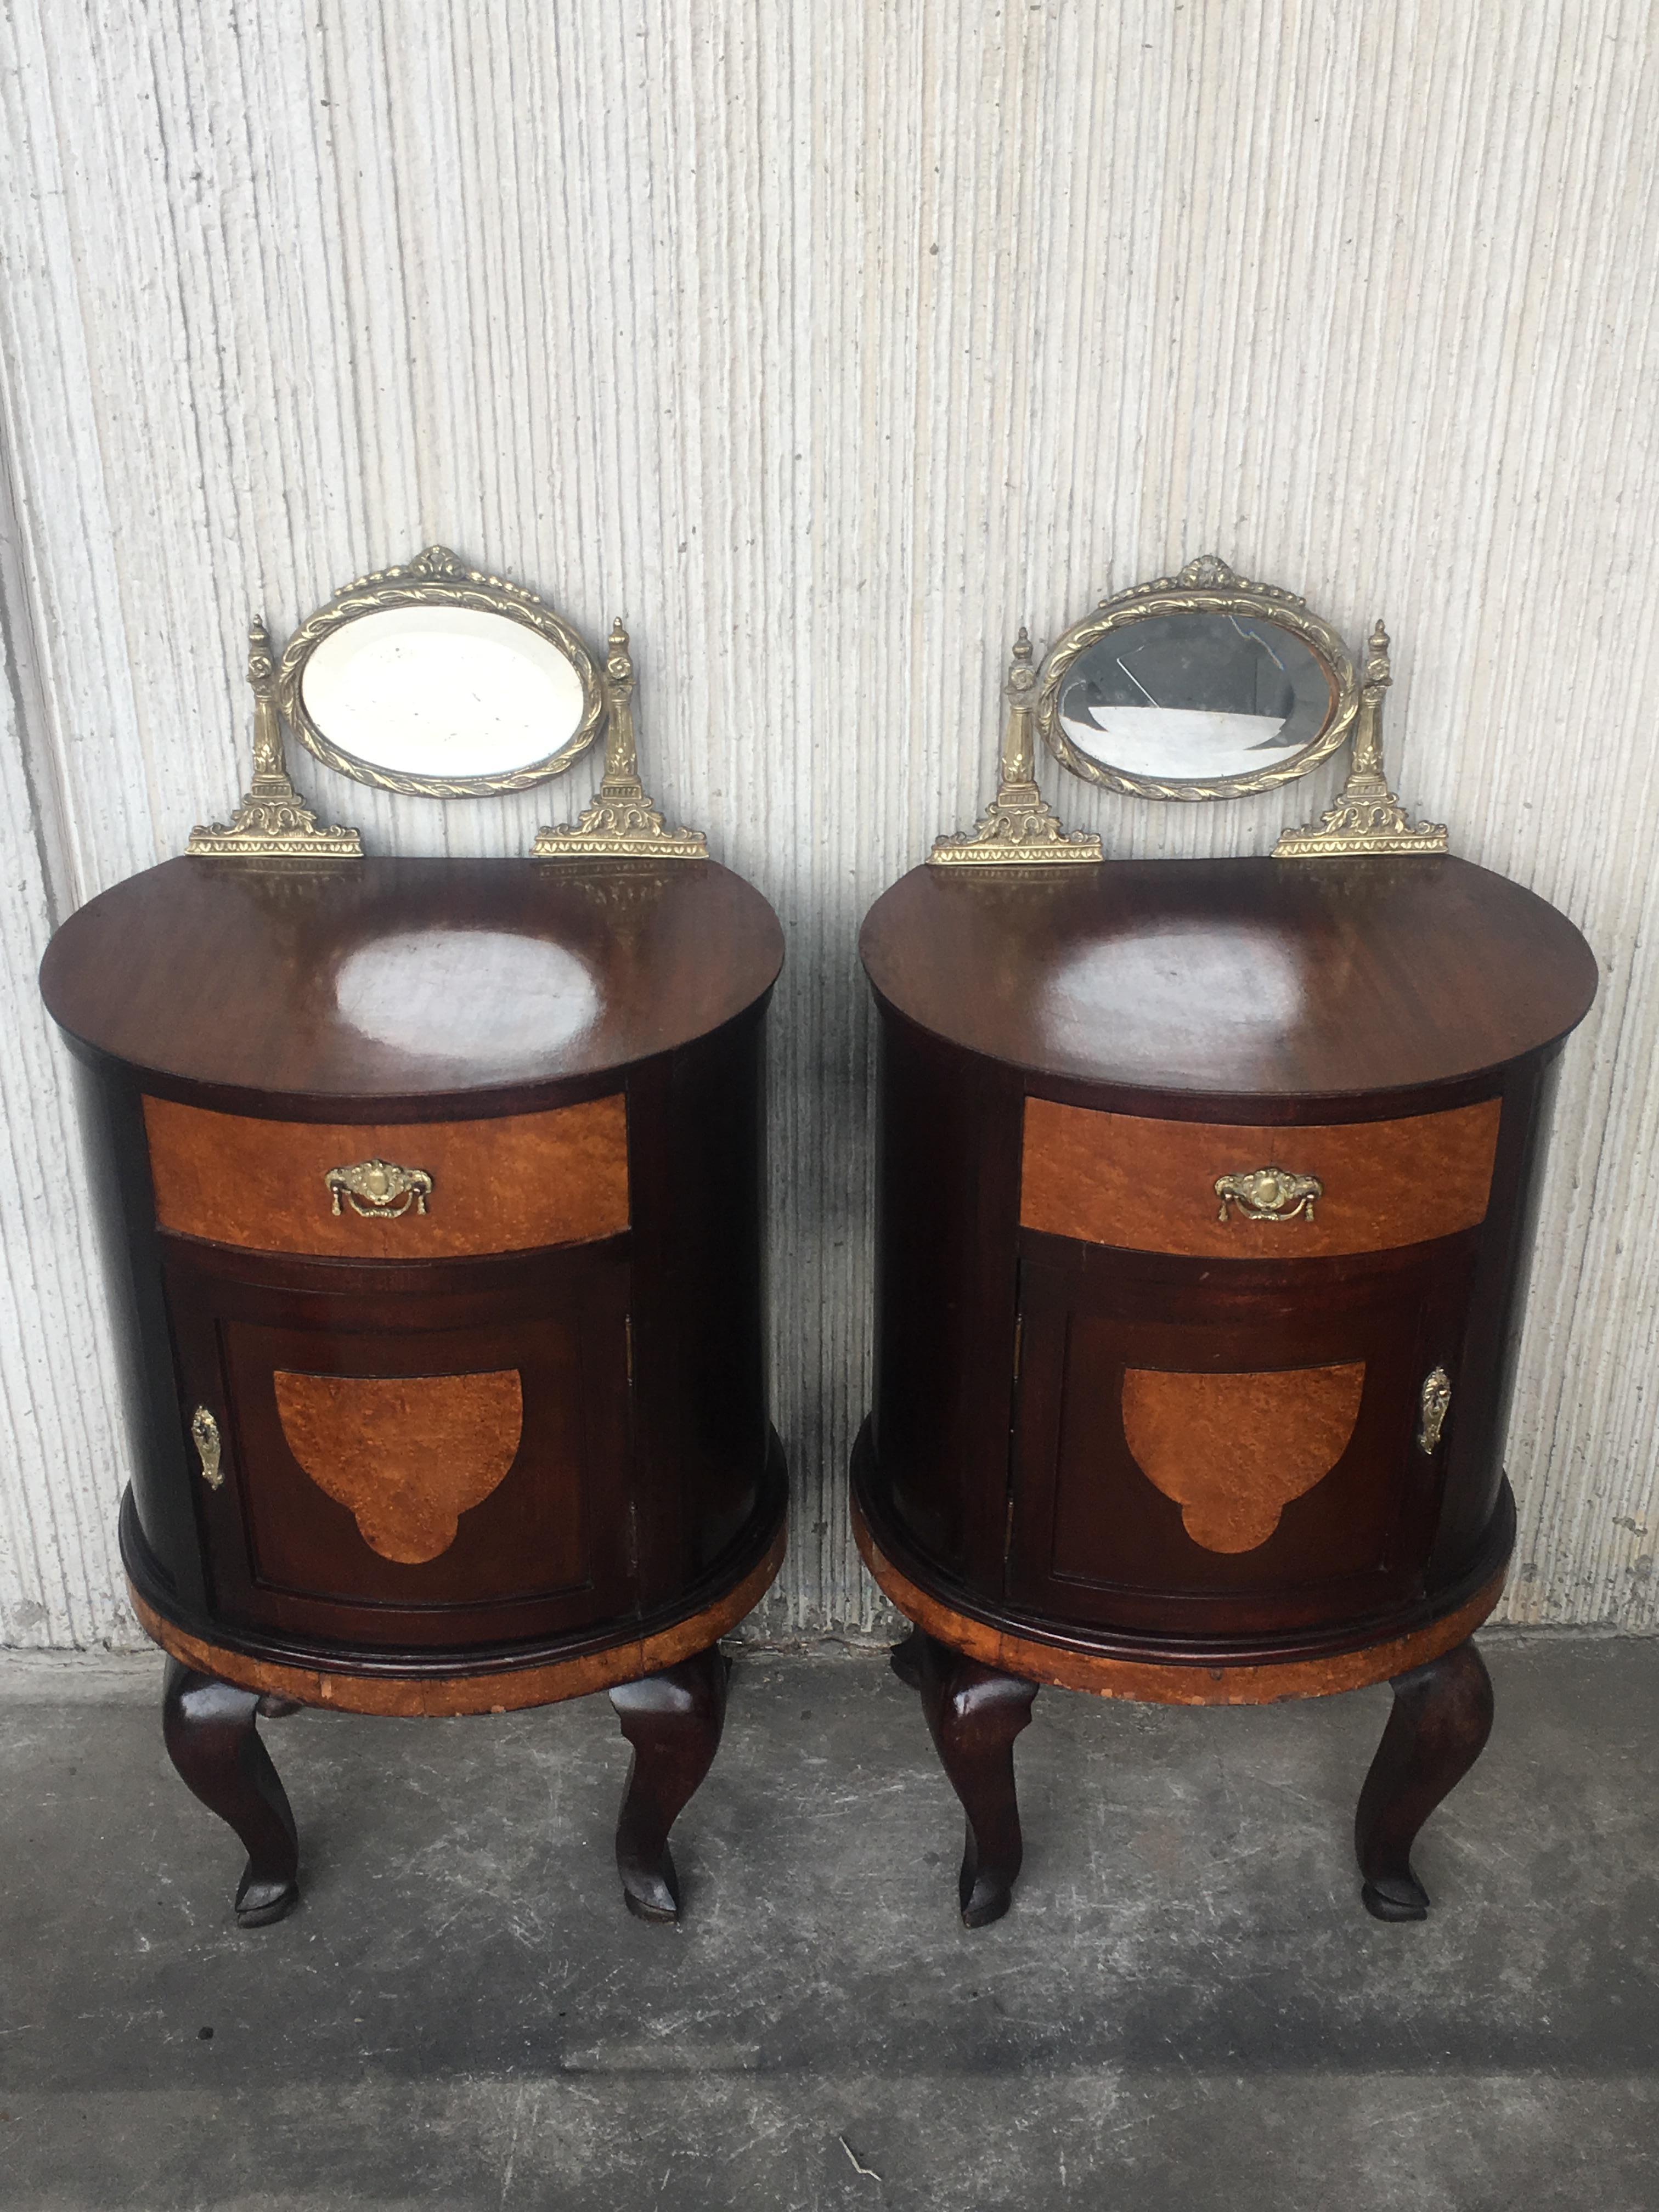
x: 439, y: 680
x: 1199, y: 686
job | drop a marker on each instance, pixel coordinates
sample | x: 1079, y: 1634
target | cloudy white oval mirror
x: 439, y: 680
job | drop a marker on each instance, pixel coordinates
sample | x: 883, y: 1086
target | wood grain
x: 1149, y: 1186
x: 1233, y: 977
x: 1149, y: 1682
x: 1232, y: 1450
x: 518, y: 1183
x: 406, y: 980
x: 407, y: 1456
x: 500, y: 1690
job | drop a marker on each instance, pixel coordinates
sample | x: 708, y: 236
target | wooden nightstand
x: 432, y: 1191
x: 1205, y: 1203
x: 1148, y: 1422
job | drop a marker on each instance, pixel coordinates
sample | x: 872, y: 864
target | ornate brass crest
x: 1268, y: 1195
x: 378, y: 1189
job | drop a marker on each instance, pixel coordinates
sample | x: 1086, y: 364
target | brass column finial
x: 622, y: 823
x: 272, y: 822
x: 1367, y: 816
x: 1019, y: 826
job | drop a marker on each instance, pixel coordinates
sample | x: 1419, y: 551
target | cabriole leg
x: 974, y: 1714
x: 1441, y: 1719
x: 673, y: 1720
x: 209, y: 1729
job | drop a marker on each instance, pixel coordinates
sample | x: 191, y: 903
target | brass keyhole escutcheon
x: 204, y: 1435
x: 1434, y: 1402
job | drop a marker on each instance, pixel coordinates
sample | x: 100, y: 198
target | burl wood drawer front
x: 1150, y: 1186
x: 514, y: 1184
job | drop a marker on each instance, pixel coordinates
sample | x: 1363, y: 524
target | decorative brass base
x: 622, y: 823
x: 274, y: 823
x: 1018, y: 827
x: 1367, y: 818
x: 1361, y: 822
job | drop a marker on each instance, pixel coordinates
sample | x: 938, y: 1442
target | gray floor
x: 1186, y: 2008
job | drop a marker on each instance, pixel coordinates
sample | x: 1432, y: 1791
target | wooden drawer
x: 517, y: 1183
x: 1150, y: 1186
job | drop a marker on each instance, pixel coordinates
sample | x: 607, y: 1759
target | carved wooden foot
x: 974, y: 1714
x: 1441, y: 1719
x: 209, y: 1728
x: 673, y: 1720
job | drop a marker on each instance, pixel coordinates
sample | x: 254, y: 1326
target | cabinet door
x: 1227, y: 1450
x: 404, y: 1463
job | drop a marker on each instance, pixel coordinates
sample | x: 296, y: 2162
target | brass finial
x: 1019, y: 826
x: 1367, y: 816
x: 623, y: 822
x: 272, y: 822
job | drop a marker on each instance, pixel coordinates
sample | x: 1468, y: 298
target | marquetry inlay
x: 406, y: 1455
x: 1233, y: 1450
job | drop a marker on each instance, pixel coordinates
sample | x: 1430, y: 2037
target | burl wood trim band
x: 514, y: 1184
x: 1149, y: 1186
x: 447, y: 1696
x: 407, y: 1455
x: 1153, y: 1684
x: 1232, y: 1450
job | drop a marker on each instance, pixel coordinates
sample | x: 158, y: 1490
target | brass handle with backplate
x: 379, y: 1191
x: 204, y: 1435
x: 1268, y: 1195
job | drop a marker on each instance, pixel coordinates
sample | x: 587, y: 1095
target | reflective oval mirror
x: 1200, y: 686
x: 438, y: 680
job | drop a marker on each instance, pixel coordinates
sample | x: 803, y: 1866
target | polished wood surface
x: 500, y: 1689
x: 974, y: 1714
x: 1218, y: 1681
x: 1441, y: 1718
x: 1150, y: 1185
x: 1233, y: 979
x: 509, y: 1184
x: 405, y: 1456
x: 1232, y: 1450
x: 672, y: 1720
x: 209, y: 1728
x: 408, y: 979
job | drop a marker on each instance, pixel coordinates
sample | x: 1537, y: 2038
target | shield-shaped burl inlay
x: 407, y: 1455
x: 1233, y: 1450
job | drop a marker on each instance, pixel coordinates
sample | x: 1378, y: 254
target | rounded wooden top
x: 404, y: 979
x: 1241, y: 977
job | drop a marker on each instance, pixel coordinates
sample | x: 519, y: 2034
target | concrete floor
x: 1187, y: 2007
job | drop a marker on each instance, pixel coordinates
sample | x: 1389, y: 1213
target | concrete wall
x: 827, y: 345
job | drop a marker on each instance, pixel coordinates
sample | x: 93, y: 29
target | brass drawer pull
x: 1268, y: 1195
x: 1435, y: 1397
x: 204, y: 1435
x: 380, y: 1191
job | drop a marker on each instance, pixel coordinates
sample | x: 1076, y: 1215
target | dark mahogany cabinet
x: 431, y: 1193
x: 1204, y: 1207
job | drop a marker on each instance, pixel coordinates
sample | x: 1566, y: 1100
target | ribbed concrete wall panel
x: 827, y: 345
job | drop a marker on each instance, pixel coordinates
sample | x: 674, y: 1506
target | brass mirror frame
x: 1206, y: 586
x: 436, y: 577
